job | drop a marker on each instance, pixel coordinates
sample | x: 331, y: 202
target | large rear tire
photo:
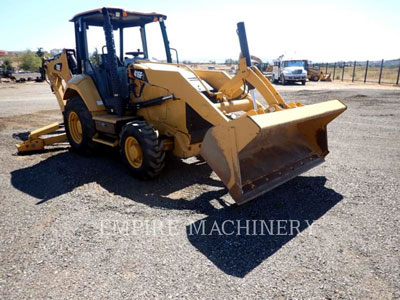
x: 141, y: 151
x: 315, y: 78
x: 79, y: 126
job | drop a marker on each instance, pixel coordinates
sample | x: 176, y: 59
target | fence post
x: 398, y: 75
x: 366, y: 71
x: 334, y: 71
x: 326, y: 68
x: 380, y: 72
x: 344, y: 64
x: 354, y: 70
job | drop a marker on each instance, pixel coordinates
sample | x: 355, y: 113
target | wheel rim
x: 133, y: 152
x: 75, y: 127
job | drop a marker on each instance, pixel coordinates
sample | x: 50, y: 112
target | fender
x: 83, y: 86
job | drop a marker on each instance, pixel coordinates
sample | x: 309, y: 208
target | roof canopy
x: 119, y: 17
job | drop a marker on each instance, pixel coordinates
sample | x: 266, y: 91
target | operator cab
x: 110, y: 73
x: 120, y: 20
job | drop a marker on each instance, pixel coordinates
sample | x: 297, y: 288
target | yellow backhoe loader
x: 147, y: 108
x: 314, y: 73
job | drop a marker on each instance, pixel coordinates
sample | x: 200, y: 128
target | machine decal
x: 58, y: 67
x: 139, y: 74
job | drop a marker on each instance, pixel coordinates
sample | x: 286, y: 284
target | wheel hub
x: 133, y: 152
x: 75, y: 127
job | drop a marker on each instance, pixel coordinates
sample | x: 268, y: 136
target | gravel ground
x: 82, y: 227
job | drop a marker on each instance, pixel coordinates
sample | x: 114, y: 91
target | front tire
x: 303, y: 82
x: 283, y: 81
x: 79, y: 126
x: 141, y: 151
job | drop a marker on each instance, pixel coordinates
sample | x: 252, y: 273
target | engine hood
x: 291, y: 69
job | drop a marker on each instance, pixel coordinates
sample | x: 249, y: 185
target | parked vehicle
x: 314, y: 73
x: 289, y: 70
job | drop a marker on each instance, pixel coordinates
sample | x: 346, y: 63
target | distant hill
x: 392, y: 63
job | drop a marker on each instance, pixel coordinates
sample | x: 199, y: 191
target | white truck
x: 289, y: 70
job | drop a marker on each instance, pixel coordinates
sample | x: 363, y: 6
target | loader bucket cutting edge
x: 255, y: 154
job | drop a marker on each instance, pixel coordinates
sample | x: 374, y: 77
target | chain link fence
x: 387, y: 72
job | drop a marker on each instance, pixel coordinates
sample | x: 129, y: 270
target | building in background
x: 5, y: 53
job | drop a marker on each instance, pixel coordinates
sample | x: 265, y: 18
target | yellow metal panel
x: 108, y: 118
x: 44, y: 130
x: 58, y: 73
x: 99, y: 140
x: 55, y: 139
x: 85, y: 87
x: 215, y: 78
x: 170, y: 117
x: 330, y: 108
x: 30, y: 145
x: 172, y: 78
x: 235, y: 105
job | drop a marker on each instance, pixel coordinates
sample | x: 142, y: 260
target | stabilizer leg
x: 36, y: 143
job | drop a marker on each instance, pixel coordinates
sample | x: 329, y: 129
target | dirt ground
x: 82, y: 227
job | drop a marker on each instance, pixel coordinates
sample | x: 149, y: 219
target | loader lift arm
x: 249, y: 74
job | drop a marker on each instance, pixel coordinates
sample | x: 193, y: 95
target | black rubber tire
x: 303, y: 82
x: 283, y: 81
x: 153, y: 157
x: 86, y: 146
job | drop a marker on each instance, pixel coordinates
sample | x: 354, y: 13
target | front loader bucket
x: 255, y: 154
x: 326, y: 77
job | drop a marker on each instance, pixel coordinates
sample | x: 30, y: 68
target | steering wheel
x: 135, y: 53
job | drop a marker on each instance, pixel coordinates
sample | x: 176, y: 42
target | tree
x: 6, y: 68
x: 7, y: 65
x: 40, y: 52
x: 95, y: 58
x: 30, y: 62
x: 229, y: 61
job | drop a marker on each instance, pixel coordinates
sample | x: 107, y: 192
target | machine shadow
x: 303, y: 199
x: 63, y: 172
x: 298, y: 202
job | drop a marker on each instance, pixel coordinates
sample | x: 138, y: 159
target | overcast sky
x: 203, y: 30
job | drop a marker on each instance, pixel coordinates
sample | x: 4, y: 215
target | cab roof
x: 119, y: 17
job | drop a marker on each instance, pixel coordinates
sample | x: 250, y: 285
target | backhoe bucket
x: 255, y: 154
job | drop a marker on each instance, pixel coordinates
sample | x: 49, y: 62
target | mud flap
x: 254, y: 154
